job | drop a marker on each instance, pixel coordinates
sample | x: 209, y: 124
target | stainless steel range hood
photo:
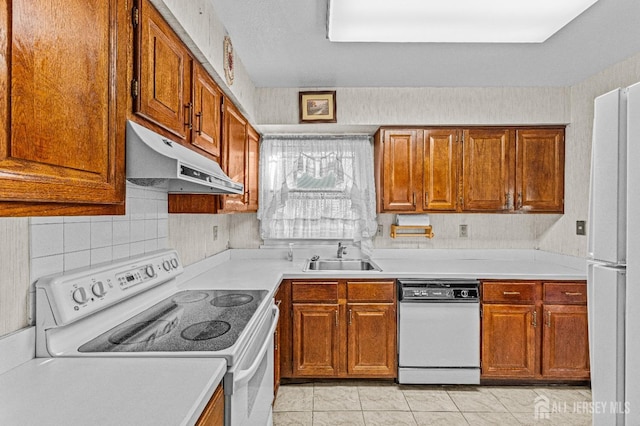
x: 153, y: 160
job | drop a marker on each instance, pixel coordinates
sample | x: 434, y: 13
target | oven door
x: 248, y: 385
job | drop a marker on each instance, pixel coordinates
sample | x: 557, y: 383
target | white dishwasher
x: 439, y: 331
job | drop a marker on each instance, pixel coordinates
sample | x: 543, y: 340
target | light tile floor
x: 377, y: 403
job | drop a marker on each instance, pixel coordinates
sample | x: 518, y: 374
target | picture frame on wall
x: 318, y: 107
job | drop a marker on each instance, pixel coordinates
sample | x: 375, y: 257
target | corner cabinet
x: 65, y: 107
x: 240, y: 160
x: 534, y: 330
x: 477, y: 169
x: 342, y: 328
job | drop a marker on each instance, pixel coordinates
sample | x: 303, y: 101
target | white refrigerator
x: 614, y: 259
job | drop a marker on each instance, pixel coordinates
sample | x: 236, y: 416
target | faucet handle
x: 315, y: 258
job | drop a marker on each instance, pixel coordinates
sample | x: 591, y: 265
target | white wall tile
x: 46, y: 265
x: 121, y: 233
x: 100, y: 255
x: 150, y: 229
x: 101, y: 234
x: 47, y: 240
x: 45, y: 219
x: 136, y: 248
x: 78, y: 259
x: 77, y: 236
x: 137, y: 231
x: 121, y: 251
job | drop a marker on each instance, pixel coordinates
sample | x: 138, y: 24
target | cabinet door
x: 400, y: 168
x: 371, y: 340
x: 486, y: 165
x: 565, y: 342
x: 62, y: 108
x: 540, y: 170
x: 164, y: 75
x: 509, y: 341
x: 213, y: 414
x: 234, y: 159
x: 280, y: 338
x: 315, y: 340
x: 252, y: 172
x: 440, y: 174
x: 207, y: 101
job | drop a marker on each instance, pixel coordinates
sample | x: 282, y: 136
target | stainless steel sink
x: 340, y: 265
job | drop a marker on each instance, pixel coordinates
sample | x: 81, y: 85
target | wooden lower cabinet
x: 508, y: 341
x: 565, y: 343
x: 371, y: 337
x: 341, y: 329
x: 213, y: 414
x: 316, y: 349
x: 535, y: 331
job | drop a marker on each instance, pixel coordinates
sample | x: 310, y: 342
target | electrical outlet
x: 463, y: 231
x: 581, y: 227
x: 215, y: 233
x: 380, y: 230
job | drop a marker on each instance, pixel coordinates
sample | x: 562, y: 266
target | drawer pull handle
x: 510, y: 293
x: 336, y: 318
x: 570, y: 293
x: 350, y: 316
x: 535, y: 319
x: 548, y: 319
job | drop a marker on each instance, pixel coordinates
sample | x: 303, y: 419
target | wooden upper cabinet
x: 253, y: 171
x: 63, y: 103
x: 164, y: 75
x: 440, y: 173
x: 540, y: 170
x: 486, y: 166
x: 207, y: 102
x: 400, y: 170
x: 234, y: 162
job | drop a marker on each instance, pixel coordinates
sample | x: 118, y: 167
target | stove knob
x: 80, y: 295
x: 98, y: 289
x: 464, y: 293
x: 149, y: 271
x: 174, y: 262
x: 166, y: 265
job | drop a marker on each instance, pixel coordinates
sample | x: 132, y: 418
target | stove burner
x: 230, y: 300
x: 189, y: 297
x: 205, y: 330
x: 142, y: 332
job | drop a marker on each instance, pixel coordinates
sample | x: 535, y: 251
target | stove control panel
x: 76, y: 294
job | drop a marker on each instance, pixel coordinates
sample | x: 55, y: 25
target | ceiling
x: 283, y: 43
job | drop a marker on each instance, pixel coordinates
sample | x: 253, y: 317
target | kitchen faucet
x: 341, y: 250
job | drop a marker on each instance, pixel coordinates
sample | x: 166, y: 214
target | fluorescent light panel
x: 450, y: 21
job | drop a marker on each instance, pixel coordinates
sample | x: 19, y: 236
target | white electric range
x: 139, y: 307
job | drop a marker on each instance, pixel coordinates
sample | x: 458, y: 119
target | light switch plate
x: 463, y: 231
x: 380, y: 230
x: 581, y: 227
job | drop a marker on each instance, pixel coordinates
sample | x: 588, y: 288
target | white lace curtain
x: 317, y: 187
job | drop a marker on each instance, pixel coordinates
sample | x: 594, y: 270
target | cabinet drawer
x: 565, y: 293
x: 509, y: 292
x: 305, y: 291
x: 372, y: 291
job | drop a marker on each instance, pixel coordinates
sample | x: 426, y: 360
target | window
x: 317, y: 188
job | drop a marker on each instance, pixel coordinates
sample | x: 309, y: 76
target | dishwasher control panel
x: 418, y: 290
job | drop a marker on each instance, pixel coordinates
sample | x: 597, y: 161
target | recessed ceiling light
x: 450, y: 21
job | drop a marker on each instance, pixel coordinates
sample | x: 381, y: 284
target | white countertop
x: 124, y: 391
x: 108, y: 391
x: 265, y: 268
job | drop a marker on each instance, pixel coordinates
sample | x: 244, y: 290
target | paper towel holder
x: 411, y: 231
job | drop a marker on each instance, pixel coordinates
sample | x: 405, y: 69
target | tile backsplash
x: 60, y: 244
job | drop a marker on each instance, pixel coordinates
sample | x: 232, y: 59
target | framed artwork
x: 228, y: 60
x: 318, y: 107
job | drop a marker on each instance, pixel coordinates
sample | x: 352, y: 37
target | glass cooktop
x: 191, y: 320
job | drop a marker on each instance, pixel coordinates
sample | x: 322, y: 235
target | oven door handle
x: 245, y: 375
